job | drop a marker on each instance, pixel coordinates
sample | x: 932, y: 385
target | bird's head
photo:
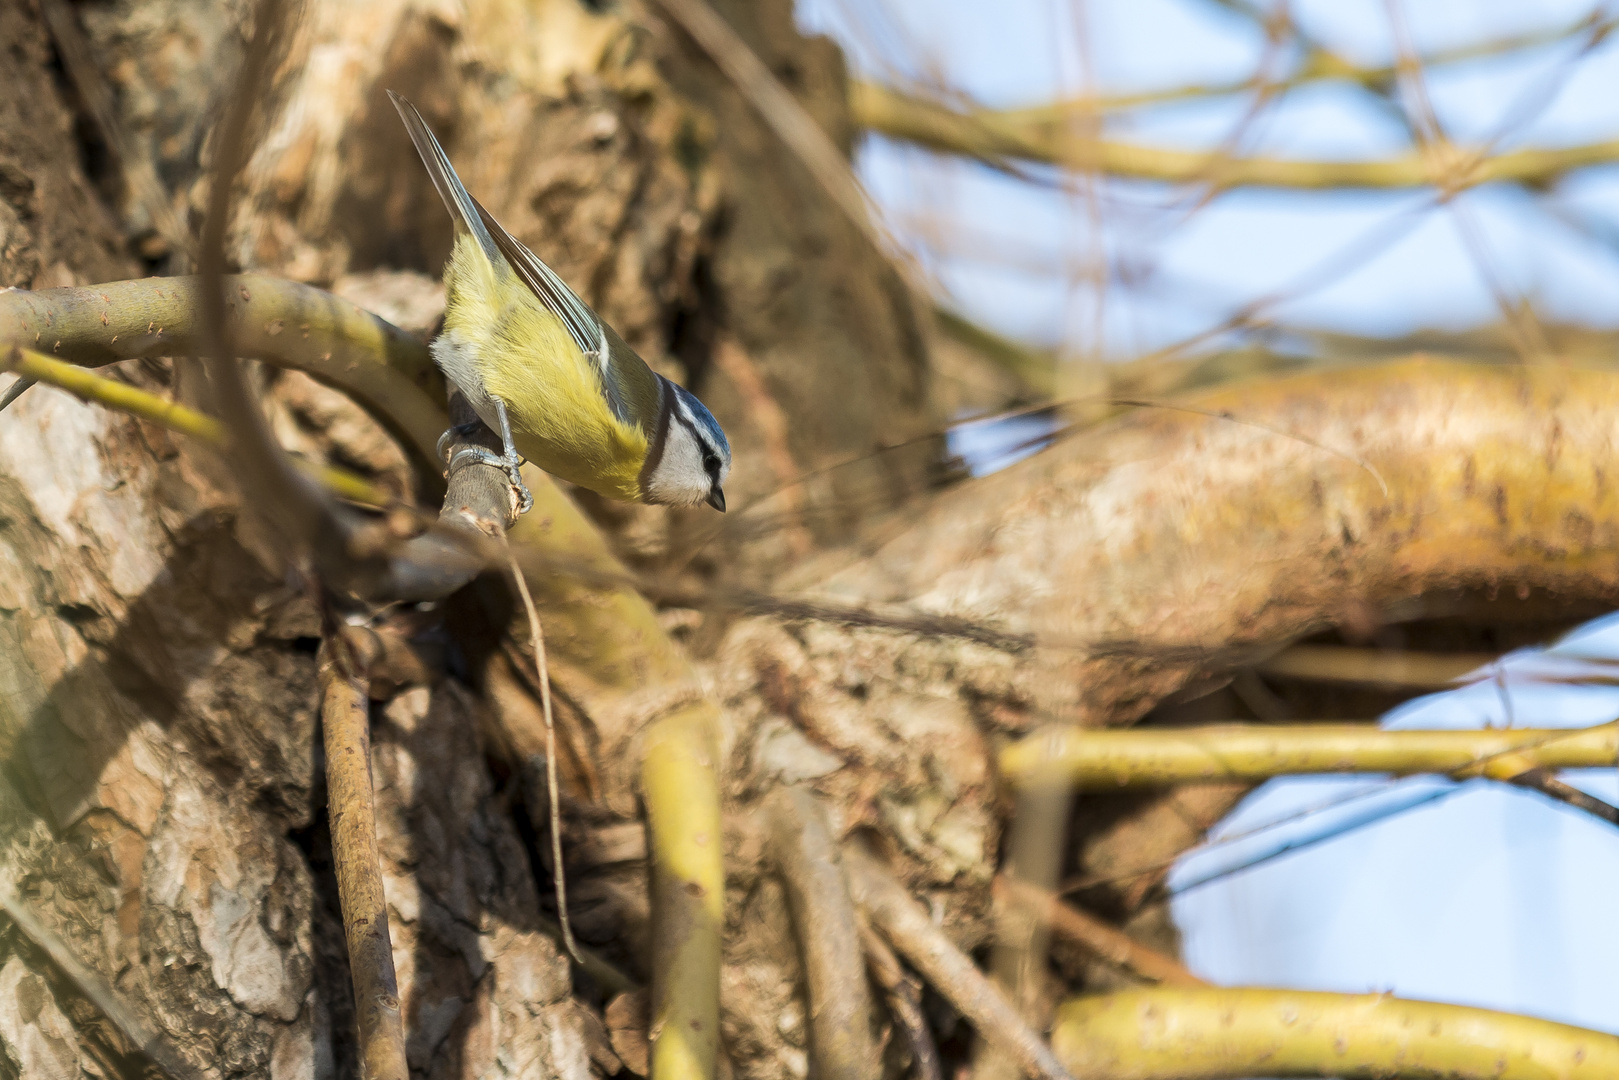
x: 688, y: 459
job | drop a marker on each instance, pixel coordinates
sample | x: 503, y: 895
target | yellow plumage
x: 560, y: 419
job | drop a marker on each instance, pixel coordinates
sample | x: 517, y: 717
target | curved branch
x: 1211, y: 1034
x: 1111, y: 759
x: 382, y: 367
x: 991, y: 136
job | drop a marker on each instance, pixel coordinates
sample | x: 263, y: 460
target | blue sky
x: 1012, y: 250
x: 1478, y: 893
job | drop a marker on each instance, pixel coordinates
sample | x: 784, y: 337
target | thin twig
x: 286, y: 498
x: 537, y: 634
x: 1105, y: 942
x: 840, y: 1007
x: 351, y: 817
x: 1227, y: 752
x: 904, y: 995
x: 912, y: 933
x: 988, y: 136
x: 146, y: 1042
x: 1546, y: 782
x: 1317, y: 65
x: 171, y: 415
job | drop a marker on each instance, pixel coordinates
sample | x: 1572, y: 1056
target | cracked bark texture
x: 160, y: 800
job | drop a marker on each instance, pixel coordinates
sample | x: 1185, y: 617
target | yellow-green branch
x: 380, y: 366
x: 1209, y: 1034
x: 992, y: 136
x: 1104, y: 759
x: 168, y: 414
x: 679, y: 780
x: 1317, y: 65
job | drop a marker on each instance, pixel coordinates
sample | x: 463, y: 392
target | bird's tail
x: 450, y: 189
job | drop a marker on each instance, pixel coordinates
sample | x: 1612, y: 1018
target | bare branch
x: 1107, y: 943
x: 172, y: 415
x: 1317, y: 65
x: 146, y: 1042
x: 1212, y: 1034
x: 990, y: 136
x: 840, y: 1007
x: 1110, y: 759
x: 352, y: 817
x: 380, y: 366
x: 679, y: 782
x: 902, y: 921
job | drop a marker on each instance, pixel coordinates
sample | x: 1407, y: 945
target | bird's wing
x: 455, y: 195
x: 583, y: 325
x: 501, y: 247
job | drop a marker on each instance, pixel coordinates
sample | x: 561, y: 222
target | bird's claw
x: 454, y: 433
x: 511, y: 466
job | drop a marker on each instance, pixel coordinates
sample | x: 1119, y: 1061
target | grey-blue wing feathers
x: 584, y: 326
x: 457, y: 200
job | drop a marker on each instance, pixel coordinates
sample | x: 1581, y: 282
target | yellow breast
x: 525, y: 357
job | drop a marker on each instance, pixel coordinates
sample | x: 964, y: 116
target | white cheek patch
x: 679, y: 479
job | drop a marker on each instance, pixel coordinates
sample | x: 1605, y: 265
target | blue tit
x: 547, y: 373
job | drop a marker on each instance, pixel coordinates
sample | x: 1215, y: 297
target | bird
x: 551, y: 377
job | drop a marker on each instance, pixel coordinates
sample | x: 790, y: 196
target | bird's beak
x: 716, y: 499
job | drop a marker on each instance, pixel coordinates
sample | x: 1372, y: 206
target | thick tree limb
x: 990, y: 136
x: 781, y: 111
x: 840, y: 1007
x: 1210, y: 1034
x: 1110, y: 759
x: 144, y: 186
x: 902, y: 921
x: 1165, y: 544
x: 345, y: 721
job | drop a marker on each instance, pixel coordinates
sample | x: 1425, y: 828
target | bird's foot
x: 453, y: 434
x: 510, y: 464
